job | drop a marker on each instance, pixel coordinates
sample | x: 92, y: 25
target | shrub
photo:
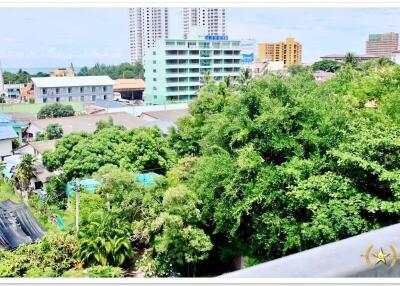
x: 95, y: 272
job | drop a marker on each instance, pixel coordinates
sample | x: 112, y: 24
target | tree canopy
x: 54, y: 110
x: 124, y: 70
x: 264, y: 168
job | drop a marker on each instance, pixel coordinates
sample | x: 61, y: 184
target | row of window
x: 197, y: 52
x: 82, y: 98
x: 69, y: 89
x: 202, y: 61
x: 197, y: 70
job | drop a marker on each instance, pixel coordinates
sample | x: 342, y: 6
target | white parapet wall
x: 138, y: 110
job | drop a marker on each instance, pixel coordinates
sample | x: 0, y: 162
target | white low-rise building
x: 7, y: 135
x: 77, y: 88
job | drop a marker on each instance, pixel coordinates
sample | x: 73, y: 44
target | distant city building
x: 260, y: 68
x: 341, y: 57
x: 176, y: 69
x: 212, y: 20
x: 248, y: 47
x: 77, y: 88
x: 27, y: 92
x: 63, y: 72
x: 382, y: 45
x: 13, y: 90
x: 289, y: 52
x: 146, y: 25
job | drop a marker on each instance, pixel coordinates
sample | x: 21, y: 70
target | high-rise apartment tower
x: 210, y: 20
x: 146, y: 25
x: 382, y: 45
x: 289, y: 52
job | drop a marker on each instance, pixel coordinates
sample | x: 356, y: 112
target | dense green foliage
x: 299, y: 165
x: 263, y: 168
x: 20, y: 76
x: 95, y: 272
x: 326, y: 65
x: 124, y: 70
x: 49, y: 257
x: 54, y: 110
x: 53, y: 131
x: 81, y: 154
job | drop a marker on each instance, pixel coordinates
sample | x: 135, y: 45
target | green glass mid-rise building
x: 175, y: 69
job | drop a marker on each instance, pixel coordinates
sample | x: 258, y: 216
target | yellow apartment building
x: 289, y: 52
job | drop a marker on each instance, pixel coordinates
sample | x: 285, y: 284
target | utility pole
x: 77, y: 187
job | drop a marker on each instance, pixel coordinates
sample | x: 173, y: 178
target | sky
x: 55, y: 37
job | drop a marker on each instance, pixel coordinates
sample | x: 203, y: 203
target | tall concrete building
x: 382, y: 45
x: 176, y: 69
x: 146, y: 25
x: 289, y: 52
x: 211, y: 20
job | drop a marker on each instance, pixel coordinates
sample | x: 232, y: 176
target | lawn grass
x: 35, y: 107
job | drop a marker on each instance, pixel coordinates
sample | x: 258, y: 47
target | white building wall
x: 212, y: 20
x: 146, y: 25
x: 70, y: 94
x: 5, y: 147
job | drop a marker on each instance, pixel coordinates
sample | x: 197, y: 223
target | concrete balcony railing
x: 357, y: 256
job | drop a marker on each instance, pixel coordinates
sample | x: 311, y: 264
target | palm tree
x: 245, y: 75
x: 228, y: 81
x: 350, y: 59
x: 24, y: 172
x: 207, y: 77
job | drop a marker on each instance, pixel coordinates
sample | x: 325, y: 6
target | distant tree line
x: 20, y: 77
x: 124, y: 70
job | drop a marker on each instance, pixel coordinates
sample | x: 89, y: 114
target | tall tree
x: 24, y: 172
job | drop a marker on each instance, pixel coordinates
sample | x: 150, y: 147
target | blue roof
x: 4, y: 117
x: 109, y: 104
x: 13, y: 124
x: 7, y: 132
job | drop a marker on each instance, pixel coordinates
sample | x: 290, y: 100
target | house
x: 85, y: 123
x: 7, y: 135
x: 105, y: 106
x: 130, y: 89
x: 321, y: 76
x: 36, y: 148
x: 342, y: 57
x: 72, y: 88
x: 164, y: 115
x: 19, y: 127
x: 164, y: 119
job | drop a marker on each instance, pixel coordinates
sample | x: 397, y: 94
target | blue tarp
x: 147, y: 179
x: 89, y: 185
x: 60, y: 222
